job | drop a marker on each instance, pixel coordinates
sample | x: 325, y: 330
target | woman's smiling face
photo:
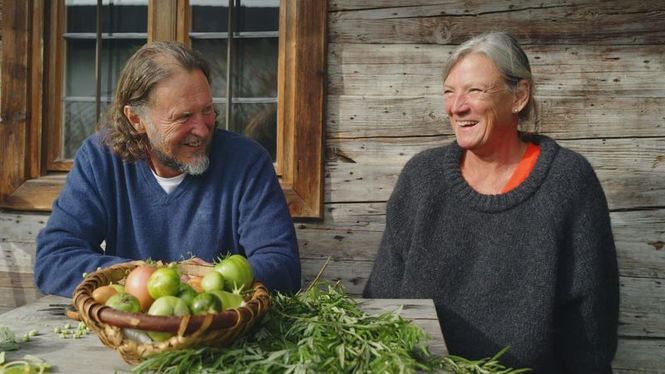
x: 480, y: 107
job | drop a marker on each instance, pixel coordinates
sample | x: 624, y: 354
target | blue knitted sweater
x: 534, y: 269
x: 236, y: 206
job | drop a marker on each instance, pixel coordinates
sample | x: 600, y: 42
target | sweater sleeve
x: 588, y: 306
x: 266, y: 230
x: 386, y: 277
x: 70, y: 244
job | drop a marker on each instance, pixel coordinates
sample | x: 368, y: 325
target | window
x: 243, y: 63
x: 36, y: 92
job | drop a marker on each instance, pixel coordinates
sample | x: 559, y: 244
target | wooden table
x: 89, y: 355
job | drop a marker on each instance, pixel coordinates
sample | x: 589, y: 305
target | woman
x: 507, y: 232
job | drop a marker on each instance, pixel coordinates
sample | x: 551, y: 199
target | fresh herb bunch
x: 321, y: 329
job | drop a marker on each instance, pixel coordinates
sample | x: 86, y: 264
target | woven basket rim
x: 85, y: 304
x: 188, y: 331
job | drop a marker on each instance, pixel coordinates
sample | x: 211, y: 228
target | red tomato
x: 137, y: 284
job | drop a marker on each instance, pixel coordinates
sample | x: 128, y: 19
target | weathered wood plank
x: 640, y: 237
x: 459, y: 7
x: 623, y: 23
x: 642, y: 307
x: 639, y: 356
x: 631, y: 170
x: 352, y: 274
x: 559, y: 70
x: 345, y: 57
x: 21, y: 227
x: 17, y: 257
x: 425, y: 80
x: 559, y: 117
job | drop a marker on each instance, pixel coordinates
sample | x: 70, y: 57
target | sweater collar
x: 495, y: 203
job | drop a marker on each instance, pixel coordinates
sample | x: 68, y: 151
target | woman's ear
x: 134, y: 118
x: 522, y: 93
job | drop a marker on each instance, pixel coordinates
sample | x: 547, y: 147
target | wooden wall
x: 599, y: 68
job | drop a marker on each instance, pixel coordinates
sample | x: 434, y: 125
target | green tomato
x: 186, y: 293
x: 237, y: 272
x: 229, y: 300
x: 212, y: 281
x: 124, y: 302
x: 164, y: 281
x: 204, y: 303
x: 167, y: 306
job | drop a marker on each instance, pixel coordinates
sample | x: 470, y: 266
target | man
x: 159, y: 181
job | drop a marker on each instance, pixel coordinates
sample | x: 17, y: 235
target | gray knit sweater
x: 534, y: 269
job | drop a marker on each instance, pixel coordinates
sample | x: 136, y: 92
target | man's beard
x: 198, y: 166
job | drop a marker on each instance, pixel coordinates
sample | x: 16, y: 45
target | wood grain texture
x: 574, y: 22
x: 15, y: 103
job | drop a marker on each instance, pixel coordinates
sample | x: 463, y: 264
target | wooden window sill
x: 38, y: 194
x: 35, y: 194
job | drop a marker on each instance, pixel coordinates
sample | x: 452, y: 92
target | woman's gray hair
x: 508, y: 56
x: 151, y: 64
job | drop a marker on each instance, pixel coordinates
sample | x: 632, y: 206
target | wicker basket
x: 190, y: 331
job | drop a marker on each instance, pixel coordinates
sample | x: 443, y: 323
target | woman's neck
x: 489, y: 173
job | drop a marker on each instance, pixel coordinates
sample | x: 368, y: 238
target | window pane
x: 255, y: 67
x: 80, y: 65
x: 214, y: 51
x: 257, y: 121
x: 124, y: 30
x: 251, y: 15
x: 117, y: 15
x: 210, y: 16
x: 257, y: 15
x: 80, y: 117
